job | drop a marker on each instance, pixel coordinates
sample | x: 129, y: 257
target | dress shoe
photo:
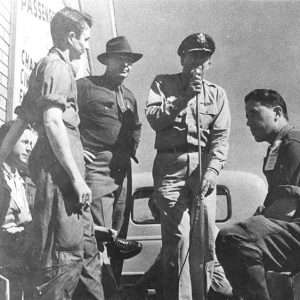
x: 123, y: 249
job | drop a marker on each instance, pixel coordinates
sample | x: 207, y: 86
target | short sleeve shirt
x: 52, y: 83
x: 104, y: 125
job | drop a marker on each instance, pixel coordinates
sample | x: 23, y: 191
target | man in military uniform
x: 172, y: 112
x: 269, y: 240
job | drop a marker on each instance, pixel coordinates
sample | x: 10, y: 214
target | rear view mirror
x: 224, y: 209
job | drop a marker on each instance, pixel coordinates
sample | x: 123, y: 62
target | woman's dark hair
x: 4, y: 129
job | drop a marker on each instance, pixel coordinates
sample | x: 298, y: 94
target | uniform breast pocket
x: 207, y: 115
x: 102, y: 107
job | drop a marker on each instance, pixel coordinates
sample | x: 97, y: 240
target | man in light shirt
x: 174, y: 102
x: 15, y: 216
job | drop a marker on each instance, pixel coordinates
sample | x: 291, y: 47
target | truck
x: 238, y: 196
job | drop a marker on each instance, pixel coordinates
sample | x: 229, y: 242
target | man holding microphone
x: 172, y: 112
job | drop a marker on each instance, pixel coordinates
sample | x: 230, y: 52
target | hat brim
x: 200, y: 50
x: 203, y: 50
x: 134, y: 57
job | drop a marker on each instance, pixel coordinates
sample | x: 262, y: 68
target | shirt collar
x: 110, y: 83
x: 283, y: 132
x: 10, y: 174
x: 63, y: 57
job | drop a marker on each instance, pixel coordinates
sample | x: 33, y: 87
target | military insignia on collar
x: 201, y: 38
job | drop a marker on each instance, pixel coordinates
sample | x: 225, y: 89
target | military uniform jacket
x: 174, y: 120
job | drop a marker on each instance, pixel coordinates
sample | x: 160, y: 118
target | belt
x: 180, y: 149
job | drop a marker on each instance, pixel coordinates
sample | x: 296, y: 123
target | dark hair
x: 67, y: 20
x: 269, y: 98
x: 4, y: 129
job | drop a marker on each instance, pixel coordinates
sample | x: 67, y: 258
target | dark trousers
x: 109, y: 189
x: 250, y: 248
x: 65, y: 249
x: 14, y: 263
x: 65, y: 254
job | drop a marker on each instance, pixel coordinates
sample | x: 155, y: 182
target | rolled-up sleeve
x: 219, y: 135
x: 56, y: 84
x: 49, y: 85
x: 160, y: 110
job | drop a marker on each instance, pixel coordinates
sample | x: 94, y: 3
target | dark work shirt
x: 286, y: 169
x: 104, y: 125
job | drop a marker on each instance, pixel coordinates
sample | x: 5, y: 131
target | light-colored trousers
x: 176, y: 182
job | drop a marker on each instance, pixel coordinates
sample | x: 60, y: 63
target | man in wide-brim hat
x: 110, y: 131
x: 119, y: 46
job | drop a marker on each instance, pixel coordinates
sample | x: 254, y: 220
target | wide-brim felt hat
x: 197, y: 42
x: 119, y: 45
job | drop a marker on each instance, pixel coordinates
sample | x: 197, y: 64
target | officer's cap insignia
x: 201, y: 38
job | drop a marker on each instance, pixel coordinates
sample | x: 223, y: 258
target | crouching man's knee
x: 234, y: 249
x: 227, y: 240
x: 239, y: 257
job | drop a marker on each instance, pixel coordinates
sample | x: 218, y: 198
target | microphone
x: 197, y: 73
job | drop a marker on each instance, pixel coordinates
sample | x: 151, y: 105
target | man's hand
x: 105, y: 234
x: 83, y: 191
x: 88, y: 156
x: 194, y: 87
x: 12, y: 228
x: 114, y: 233
x: 195, y: 84
x: 208, y: 182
